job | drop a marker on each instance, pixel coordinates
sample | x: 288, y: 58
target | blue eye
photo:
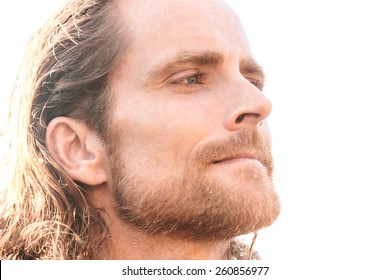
x: 192, y: 80
x: 189, y: 80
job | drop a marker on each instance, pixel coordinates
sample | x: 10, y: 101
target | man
x: 140, y: 133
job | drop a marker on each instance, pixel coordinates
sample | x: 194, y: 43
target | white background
x: 328, y: 75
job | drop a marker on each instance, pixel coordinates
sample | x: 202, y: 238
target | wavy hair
x: 66, y: 72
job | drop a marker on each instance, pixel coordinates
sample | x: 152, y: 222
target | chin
x: 205, y: 206
x: 236, y: 204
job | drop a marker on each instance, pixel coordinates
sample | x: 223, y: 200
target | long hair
x: 66, y: 72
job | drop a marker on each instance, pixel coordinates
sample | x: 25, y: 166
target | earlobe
x: 78, y: 149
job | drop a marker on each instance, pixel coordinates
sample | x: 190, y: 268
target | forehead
x: 182, y: 24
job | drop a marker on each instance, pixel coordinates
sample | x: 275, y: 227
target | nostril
x: 241, y: 117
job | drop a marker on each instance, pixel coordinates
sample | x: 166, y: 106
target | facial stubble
x: 196, y: 205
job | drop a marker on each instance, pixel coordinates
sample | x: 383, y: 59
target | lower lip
x: 239, y: 161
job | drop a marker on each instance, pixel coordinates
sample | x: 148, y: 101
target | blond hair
x: 65, y: 72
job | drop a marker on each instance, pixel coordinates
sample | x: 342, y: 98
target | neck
x: 127, y: 242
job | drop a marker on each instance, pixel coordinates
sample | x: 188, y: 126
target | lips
x: 238, y: 157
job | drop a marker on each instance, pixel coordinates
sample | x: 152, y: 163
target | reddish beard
x: 196, y: 205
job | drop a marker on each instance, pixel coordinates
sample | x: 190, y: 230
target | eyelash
x: 182, y: 80
x: 257, y: 83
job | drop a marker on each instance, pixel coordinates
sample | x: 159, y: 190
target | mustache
x: 246, y: 141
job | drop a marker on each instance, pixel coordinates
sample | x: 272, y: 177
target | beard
x: 197, y: 204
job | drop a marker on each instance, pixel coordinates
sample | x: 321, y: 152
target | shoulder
x: 240, y: 251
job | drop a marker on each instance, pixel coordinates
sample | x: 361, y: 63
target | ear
x: 77, y: 149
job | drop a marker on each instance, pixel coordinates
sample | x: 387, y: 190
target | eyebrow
x: 170, y: 64
x: 200, y: 58
x: 250, y: 66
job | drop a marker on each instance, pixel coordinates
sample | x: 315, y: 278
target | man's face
x: 188, y: 146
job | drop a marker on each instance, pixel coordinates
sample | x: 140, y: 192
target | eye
x: 189, y: 80
x: 192, y: 80
x: 257, y: 83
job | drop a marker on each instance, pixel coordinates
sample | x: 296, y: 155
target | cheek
x: 154, y: 146
x: 160, y: 130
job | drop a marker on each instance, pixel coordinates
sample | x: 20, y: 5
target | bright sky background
x: 328, y: 75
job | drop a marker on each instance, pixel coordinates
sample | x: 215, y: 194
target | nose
x: 250, y: 107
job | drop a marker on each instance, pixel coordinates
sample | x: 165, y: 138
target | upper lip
x: 249, y: 155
